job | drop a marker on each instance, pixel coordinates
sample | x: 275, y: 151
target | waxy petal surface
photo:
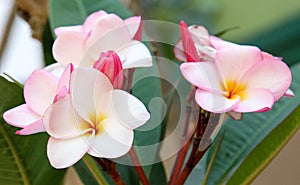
x: 270, y: 74
x: 40, y: 90
x: 214, y: 102
x: 69, y: 47
x: 234, y: 62
x: 113, y: 142
x: 65, y: 153
x: 33, y: 128
x: 128, y: 110
x: 88, y: 89
x: 255, y: 100
x: 136, y: 54
x: 60, y: 120
x: 203, y: 75
x: 21, y: 116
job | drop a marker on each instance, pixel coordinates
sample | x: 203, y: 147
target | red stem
x: 110, y: 168
x: 138, y: 167
x: 195, y: 155
x: 189, y: 167
x: 186, y: 144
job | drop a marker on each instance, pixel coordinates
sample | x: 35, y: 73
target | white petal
x: 115, y: 141
x: 60, y: 30
x: 65, y: 153
x: 40, y: 90
x: 88, y: 84
x: 255, y: 100
x: 55, y: 69
x: 178, y: 52
x: 269, y: 74
x: 289, y: 93
x: 60, y: 120
x: 33, y: 128
x: 128, y: 110
x: 136, y: 54
x: 21, y: 116
x: 203, y: 75
x: 214, y: 102
x: 233, y: 62
x: 69, y: 47
x: 109, y: 33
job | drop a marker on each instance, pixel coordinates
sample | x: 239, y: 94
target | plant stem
x: 186, y: 144
x: 189, y: 167
x: 138, y: 167
x: 195, y: 155
x: 110, y: 168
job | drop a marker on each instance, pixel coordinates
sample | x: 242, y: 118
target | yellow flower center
x: 234, y: 89
x: 94, y: 124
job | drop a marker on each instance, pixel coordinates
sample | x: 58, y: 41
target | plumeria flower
x: 94, y: 118
x: 41, y: 89
x: 240, y: 79
x: 101, y: 32
x: 194, y: 44
x: 218, y: 44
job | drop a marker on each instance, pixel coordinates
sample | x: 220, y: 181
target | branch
x: 138, y: 167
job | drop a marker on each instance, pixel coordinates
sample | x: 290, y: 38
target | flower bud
x: 110, y: 64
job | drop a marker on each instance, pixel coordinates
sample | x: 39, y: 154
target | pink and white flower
x: 241, y: 79
x: 41, y: 89
x: 101, y: 32
x: 94, y: 118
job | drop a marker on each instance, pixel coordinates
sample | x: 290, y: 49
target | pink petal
x: 200, y: 35
x: 269, y: 74
x: 178, y: 52
x: 55, y: 69
x: 40, y: 90
x: 233, y: 62
x: 60, y: 120
x: 188, y: 43
x: 214, y: 102
x: 136, y: 54
x: 220, y: 44
x: 65, y: 153
x: 21, y: 116
x: 87, y: 83
x: 33, y: 128
x: 58, y: 31
x: 63, y: 87
x: 103, y: 35
x: 203, y: 75
x: 134, y: 25
x: 115, y: 141
x: 92, y: 19
x: 289, y: 93
x: 69, y: 47
x: 128, y: 110
x: 255, y: 100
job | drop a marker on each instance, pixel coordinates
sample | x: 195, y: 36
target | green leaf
x: 90, y: 171
x: 23, y: 159
x: 266, y: 150
x: 77, y: 11
x: 242, y: 136
x: 213, y: 158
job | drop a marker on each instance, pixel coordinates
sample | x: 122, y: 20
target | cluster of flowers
x: 80, y: 103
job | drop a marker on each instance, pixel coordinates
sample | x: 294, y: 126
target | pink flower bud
x: 110, y: 64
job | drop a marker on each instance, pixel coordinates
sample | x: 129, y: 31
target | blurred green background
x: 273, y: 25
